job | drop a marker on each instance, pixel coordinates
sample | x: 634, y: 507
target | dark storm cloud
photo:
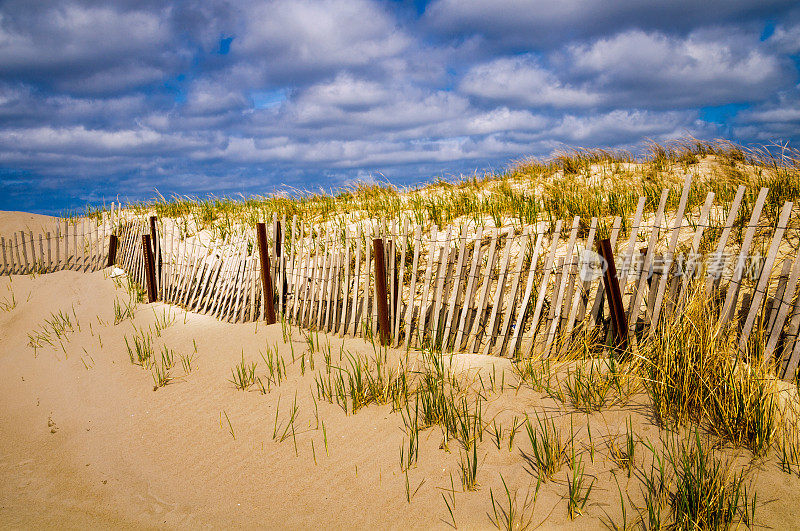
x: 119, y: 98
x: 548, y: 24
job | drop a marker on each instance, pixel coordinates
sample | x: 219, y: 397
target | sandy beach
x: 86, y: 440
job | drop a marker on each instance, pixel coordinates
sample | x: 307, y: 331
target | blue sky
x: 120, y: 98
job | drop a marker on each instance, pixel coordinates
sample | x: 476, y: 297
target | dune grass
x: 572, y: 182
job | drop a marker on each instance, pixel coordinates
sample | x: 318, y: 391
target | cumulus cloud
x: 702, y: 69
x: 522, y: 80
x: 85, y: 48
x: 290, y: 39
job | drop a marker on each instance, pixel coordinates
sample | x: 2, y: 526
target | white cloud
x: 92, y: 142
x: 523, y: 81
x: 72, y: 34
x: 303, y: 34
x: 622, y: 126
x: 662, y: 70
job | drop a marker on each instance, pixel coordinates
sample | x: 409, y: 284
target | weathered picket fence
x: 483, y: 289
x: 69, y: 244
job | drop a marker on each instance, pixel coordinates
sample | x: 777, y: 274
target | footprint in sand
x: 51, y: 424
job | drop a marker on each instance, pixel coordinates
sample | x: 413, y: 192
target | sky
x: 102, y: 101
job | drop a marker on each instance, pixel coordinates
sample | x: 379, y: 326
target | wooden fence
x: 71, y: 244
x: 488, y: 290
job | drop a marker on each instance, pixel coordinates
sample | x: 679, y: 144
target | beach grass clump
x: 623, y: 454
x: 142, y: 352
x: 577, y: 490
x: 743, y: 408
x: 548, y: 448
x: 243, y: 374
x: 276, y: 369
x: 123, y: 311
x: 688, y: 487
x: 512, y: 514
x: 588, y: 390
x: 163, y: 320
x: 161, y: 374
x: 409, y: 451
x: 187, y: 362
x: 694, y: 372
x: 363, y: 381
x: 468, y: 468
x: 445, y: 402
x: 540, y: 374
x: 55, y: 328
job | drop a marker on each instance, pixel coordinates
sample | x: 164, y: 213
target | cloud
x: 620, y: 127
x: 523, y: 81
x: 291, y: 39
x: 549, y: 24
x: 85, y: 48
x: 705, y: 68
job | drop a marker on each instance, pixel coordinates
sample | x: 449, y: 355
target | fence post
x: 112, y: 250
x: 149, y: 272
x: 266, y: 281
x: 614, y: 296
x: 380, y: 291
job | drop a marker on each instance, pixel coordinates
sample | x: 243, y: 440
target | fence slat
x: 319, y: 286
x: 733, y: 286
x: 444, y: 270
x: 784, y: 303
x: 455, y: 292
x: 733, y: 212
x: 24, y: 252
x: 469, y: 293
x: 390, y: 271
x: 548, y: 271
x: 400, y: 276
x: 580, y: 299
x: 634, y: 309
x: 676, y: 230
x: 353, y: 326
x: 498, y: 294
x: 75, y: 244
x: 480, y: 308
x: 761, y: 288
x: 340, y: 330
x: 516, y: 275
x: 312, y: 280
x: 83, y: 245
x: 558, y: 289
x: 412, y: 289
x: 522, y: 309
x: 423, y: 304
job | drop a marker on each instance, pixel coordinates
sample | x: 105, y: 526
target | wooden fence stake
x: 266, y: 281
x: 613, y: 293
x: 150, y: 276
x: 380, y: 291
x: 112, y: 250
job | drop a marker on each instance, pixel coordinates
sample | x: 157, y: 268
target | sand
x: 86, y: 441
